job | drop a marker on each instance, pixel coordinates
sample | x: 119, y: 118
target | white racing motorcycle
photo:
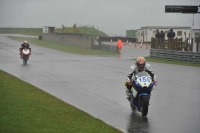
x: 141, y: 92
x: 25, y: 55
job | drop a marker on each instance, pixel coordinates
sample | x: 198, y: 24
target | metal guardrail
x: 175, y: 55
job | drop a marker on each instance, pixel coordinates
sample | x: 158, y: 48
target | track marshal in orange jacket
x: 119, y: 45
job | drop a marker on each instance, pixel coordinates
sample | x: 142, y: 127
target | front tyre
x: 25, y: 59
x: 144, y: 104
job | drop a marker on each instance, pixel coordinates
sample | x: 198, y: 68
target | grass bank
x: 184, y: 63
x: 27, y: 109
x: 25, y: 31
x: 64, y: 47
x: 89, y: 31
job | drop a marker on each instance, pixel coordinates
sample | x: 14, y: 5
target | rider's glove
x: 129, y: 81
x: 155, y: 82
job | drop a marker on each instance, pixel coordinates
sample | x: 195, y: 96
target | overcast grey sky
x: 113, y: 17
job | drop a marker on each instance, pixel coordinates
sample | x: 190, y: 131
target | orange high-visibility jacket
x: 119, y: 43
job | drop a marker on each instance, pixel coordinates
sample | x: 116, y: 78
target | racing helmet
x: 140, y: 63
x: 25, y: 42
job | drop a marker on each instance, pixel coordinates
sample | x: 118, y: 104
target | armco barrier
x: 175, y: 55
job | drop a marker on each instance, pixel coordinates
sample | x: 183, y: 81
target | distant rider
x: 140, y: 65
x: 23, y: 46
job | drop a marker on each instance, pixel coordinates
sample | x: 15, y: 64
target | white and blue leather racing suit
x: 133, y: 71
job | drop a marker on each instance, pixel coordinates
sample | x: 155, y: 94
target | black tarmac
x: 95, y: 84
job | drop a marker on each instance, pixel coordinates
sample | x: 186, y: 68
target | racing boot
x: 128, y: 91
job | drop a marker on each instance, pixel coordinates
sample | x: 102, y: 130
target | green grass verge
x: 89, y: 31
x: 172, y: 62
x: 25, y: 31
x: 63, y: 47
x: 27, y: 109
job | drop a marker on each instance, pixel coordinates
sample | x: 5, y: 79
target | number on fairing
x: 144, y: 79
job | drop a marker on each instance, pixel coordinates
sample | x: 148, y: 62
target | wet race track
x: 95, y: 84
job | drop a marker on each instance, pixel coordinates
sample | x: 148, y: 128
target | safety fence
x: 174, y: 44
x: 175, y: 55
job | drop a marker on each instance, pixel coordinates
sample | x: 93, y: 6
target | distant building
x: 196, y: 41
x: 49, y: 29
x: 145, y: 33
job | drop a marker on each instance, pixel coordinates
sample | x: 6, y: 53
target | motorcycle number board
x: 144, y: 81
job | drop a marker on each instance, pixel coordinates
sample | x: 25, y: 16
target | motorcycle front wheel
x: 25, y: 59
x: 144, y: 104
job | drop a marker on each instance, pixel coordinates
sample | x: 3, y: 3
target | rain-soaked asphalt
x: 95, y: 84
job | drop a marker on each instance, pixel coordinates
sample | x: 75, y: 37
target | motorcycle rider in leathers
x: 23, y: 46
x: 140, y: 65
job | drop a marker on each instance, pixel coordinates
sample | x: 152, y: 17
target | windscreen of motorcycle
x: 26, y: 51
x: 144, y: 79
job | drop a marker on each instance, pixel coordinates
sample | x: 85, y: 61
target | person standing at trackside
x: 157, y: 36
x: 119, y: 46
x: 171, y: 34
x: 140, y: 65
x: 23, y: 46
x: 162, y: 38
